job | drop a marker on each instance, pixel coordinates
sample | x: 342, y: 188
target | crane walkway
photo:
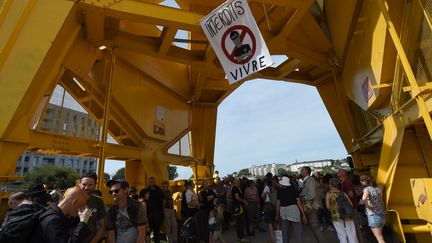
x: 262, y: 237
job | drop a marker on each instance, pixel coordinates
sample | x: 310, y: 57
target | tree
x: 172, y: 172
x: 282, y: 171
x: 107, y: 176
x: 120, y: 174
x: 243, y: 172
x: 52, y: 176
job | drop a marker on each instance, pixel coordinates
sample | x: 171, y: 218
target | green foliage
x: 282, y: 171
x: 328, y: 171
x: 243, y: 172
x: 107, y: 176
x: 172, y: 172
x: 120, y: 174
x: 52, y: 176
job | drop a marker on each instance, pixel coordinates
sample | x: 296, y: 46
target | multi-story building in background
x: 315, y: 165
x: 69, y: 122
x: 262, y: 170
x: 69, y: 119
x: 28, y: 161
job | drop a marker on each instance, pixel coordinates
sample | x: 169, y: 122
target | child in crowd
x: 216, y: 221
x: 212, y: 223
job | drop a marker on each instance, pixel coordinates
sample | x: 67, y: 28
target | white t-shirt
x: 267, y: 192
x: 191, y: 196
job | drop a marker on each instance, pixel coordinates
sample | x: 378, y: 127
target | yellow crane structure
x: 156, y: 92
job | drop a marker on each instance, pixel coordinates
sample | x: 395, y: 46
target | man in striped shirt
x: 126, y: 220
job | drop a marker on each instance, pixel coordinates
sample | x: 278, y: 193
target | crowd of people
x: 342, y: 203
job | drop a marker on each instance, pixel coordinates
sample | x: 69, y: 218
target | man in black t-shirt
x: 155, y: 205
x: 238, y: 210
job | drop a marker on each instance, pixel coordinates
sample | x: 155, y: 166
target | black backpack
x: 19, y: 223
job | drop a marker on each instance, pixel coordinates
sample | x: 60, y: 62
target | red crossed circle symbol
x: 243, y: 32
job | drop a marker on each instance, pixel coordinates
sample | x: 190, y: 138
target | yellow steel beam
x: 424, y: 111
x: 129, y: 42
x: 426, y: 88
x: 94, y: 24
x: 7, y: 47
x: 148, y: 78
x: 297, y: 50
x: 61, y: 144
x: 4, y: 10
x: 167, y: 37
x: 203, y: 134
x: 151, y: 14
x: 19, y: 72
x: 392, y: 141
x: 211, y: 84
x: 295, y: 18
x: 332, y: 93
x: 287, y: 67
x: 106, y: 115
x: 282, y: 3
x: 421, y: 188
x: 9, y: 154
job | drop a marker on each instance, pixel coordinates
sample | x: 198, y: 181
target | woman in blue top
x: 375, y: 208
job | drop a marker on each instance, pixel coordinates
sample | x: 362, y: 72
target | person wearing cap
x: 53, y: 225
x: 96, y: 222
x: 155, y: 205
x: 38, y: 194
x: 289, y: 210
x: 126, y: 221
x: 133, y: 193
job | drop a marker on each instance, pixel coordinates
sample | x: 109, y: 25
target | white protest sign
x: 234, y: 35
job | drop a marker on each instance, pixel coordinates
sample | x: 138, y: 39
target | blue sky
x: 274, y: 122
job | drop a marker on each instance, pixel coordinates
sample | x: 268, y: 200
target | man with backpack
x: 126, y: 220
x: 311, y: 201
x: 53, y: 225
x: 19, y: 221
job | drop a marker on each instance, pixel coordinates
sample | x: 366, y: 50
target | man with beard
x: 126, y: 220
x: 96, y: 222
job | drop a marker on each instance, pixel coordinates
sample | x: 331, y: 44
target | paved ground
x: 262, y: 237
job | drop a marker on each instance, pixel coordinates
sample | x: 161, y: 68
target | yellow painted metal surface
x: 369, y: 61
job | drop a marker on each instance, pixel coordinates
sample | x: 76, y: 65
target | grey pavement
x: 263, y: 237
